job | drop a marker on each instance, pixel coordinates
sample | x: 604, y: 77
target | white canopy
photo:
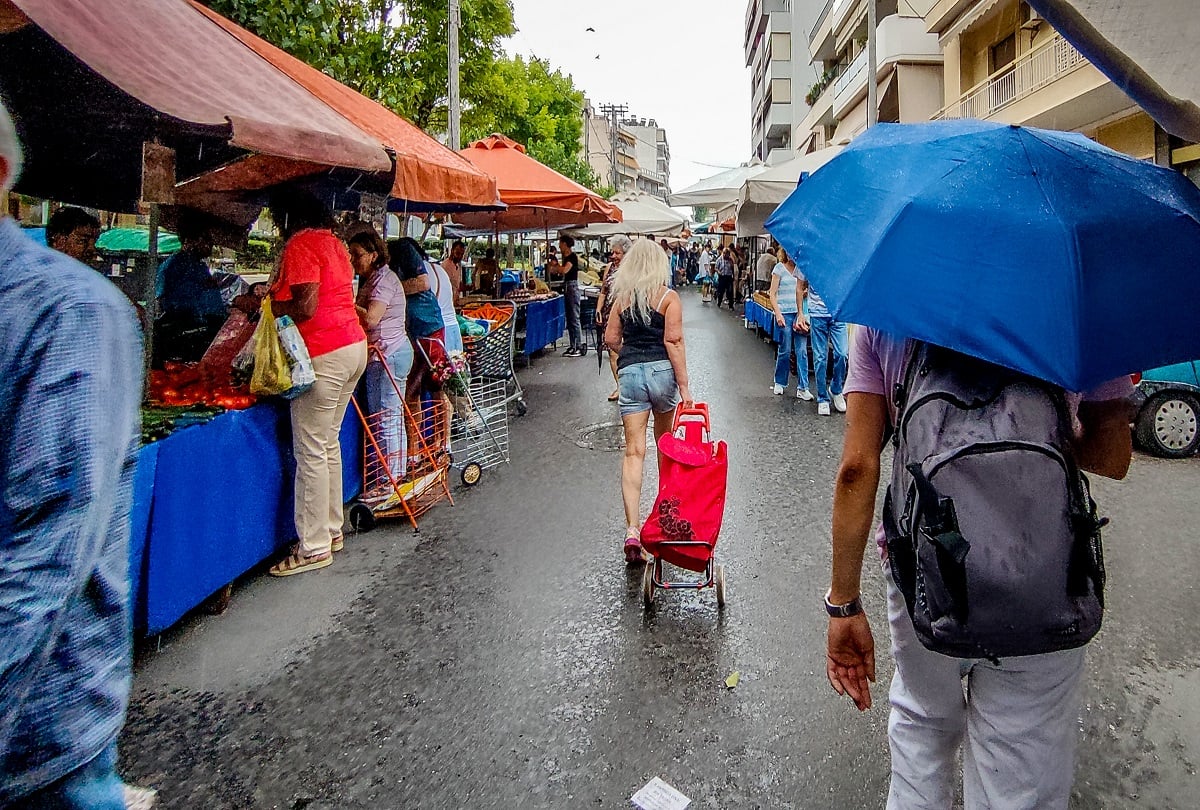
x: 720, y: 189
x: 642, y: 213
x: 761, y: 194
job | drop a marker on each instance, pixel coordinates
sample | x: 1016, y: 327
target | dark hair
x: 369, y: 240
x: 407, y: 258
x: 459, y: 243
x: 567, y: 240
x: 65, y: 221
x: 193, y: 225
x: 294, y: 210
x: 489, y: 253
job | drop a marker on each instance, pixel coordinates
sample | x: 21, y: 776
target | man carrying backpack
x: 992, y: 558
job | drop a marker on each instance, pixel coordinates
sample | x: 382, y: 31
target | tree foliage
x: 394, y: 51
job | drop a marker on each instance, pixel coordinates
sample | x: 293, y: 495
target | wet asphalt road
x: 502, y: 658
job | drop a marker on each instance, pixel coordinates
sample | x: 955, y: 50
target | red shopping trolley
x: 685, y: 522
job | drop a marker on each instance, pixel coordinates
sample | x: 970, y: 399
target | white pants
x: 316, y: 421
x: 1017, y: 723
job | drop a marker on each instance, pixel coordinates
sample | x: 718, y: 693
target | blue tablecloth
x: 545, y: 323
x: 220, y: 503
x: 760, y: 316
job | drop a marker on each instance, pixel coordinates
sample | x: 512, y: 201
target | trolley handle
x: 698, y: 412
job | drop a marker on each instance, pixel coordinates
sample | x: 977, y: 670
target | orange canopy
x: 427, y: 174
x: 537, y: 196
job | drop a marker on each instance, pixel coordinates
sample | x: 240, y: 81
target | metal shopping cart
x: 490, y: 357
x: 405, y: 458
x: 479, y: 428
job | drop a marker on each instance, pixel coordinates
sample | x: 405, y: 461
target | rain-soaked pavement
x: 502, y: 659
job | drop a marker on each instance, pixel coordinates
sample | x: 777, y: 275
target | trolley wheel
x: 648, y: 585
x: 362, y: 519
x: 471, y: 474
x: 522, y: 408
x: 719, y: 576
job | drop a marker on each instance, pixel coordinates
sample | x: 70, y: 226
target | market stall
x: 212, y: 490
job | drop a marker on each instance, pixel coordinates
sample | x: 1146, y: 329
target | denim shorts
x: 647, y: 386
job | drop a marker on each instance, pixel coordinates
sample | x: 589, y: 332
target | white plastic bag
x: 303, y: 374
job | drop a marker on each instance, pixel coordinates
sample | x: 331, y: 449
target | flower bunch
x: 452, y: 374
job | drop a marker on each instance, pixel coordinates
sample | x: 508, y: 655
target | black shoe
x: 572, y: 352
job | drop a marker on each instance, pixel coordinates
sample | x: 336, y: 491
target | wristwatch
x: 851, y: 608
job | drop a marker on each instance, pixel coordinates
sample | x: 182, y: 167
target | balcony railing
x: 1029, y: 73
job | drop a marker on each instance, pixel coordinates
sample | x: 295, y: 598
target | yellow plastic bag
x: 272, y: 372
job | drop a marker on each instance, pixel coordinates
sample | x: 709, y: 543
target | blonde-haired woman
x: 647, y: 335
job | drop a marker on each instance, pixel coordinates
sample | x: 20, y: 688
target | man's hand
x: 850, y: 659
x: 801, y: 324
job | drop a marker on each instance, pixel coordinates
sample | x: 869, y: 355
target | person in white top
x: 443, y: 288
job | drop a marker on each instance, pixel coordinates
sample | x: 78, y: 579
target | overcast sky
x: 679, y: 62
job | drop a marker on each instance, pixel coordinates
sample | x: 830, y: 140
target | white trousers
x: 1017, y: 723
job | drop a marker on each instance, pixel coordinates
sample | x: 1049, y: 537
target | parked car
x: 1167, y: 402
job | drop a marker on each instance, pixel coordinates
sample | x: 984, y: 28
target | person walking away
x: 787, y: 302
x: 647, y: 334
x: 1016, y: 718
x: 693, y: 264
x: 827, y: 335
x: 70, y: 386
x: 568, y: 264
x: 452, y: 265
x: 314, y: 287
x: 618, y: 247
x: 704, y: 261
x: 725, y: 278
x: 382, y: 311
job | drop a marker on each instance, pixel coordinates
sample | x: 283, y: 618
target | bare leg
x: 662, y: 424
x: 631, y: 466
x: 612, y: 363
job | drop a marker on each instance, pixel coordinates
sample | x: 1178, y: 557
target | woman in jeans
x: 618, y: 246
x: 787, y: 301
x: 382, y: 312
x: 314, y: 286
x: 647, y: 334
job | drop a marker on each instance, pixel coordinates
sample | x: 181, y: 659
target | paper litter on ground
x: 733, y: 679
x: 658, y: 795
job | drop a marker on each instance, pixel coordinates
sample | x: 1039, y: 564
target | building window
x: 781, y: 47
x: 781, y: 91
x: 1003, y: 53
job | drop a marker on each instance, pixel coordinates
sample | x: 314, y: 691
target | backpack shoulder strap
x: 900, y: 392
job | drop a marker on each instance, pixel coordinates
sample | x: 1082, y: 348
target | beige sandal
x: 295, y: 563
x: 338, y: 543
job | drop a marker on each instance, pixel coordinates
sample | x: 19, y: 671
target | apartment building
x: 1004, y: 63
x: 643, y: 153
x: 780, y: 70
x: 908, y: 79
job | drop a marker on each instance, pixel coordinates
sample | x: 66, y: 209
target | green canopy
x: 135, y: 240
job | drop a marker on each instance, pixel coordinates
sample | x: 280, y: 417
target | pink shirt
x: 877, y: 367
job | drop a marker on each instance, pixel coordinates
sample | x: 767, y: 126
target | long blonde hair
x: 644, y: 271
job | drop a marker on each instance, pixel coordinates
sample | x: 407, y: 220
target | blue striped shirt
x: 70, y: 385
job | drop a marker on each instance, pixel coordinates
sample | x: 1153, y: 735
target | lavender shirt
x: 877, y: 365
x: 390, y: 333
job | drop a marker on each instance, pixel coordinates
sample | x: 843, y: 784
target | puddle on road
x: 604, y: 436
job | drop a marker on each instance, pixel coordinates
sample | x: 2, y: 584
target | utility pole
x: 614, y: 111
x: 453, y: 131
x: 872, y: 64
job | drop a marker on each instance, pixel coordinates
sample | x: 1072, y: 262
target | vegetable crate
x: 490, y: 356
x: 479, y: 428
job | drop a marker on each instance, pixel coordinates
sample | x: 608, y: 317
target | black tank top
x: 640, y: 342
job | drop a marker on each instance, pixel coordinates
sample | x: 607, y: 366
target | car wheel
x: 1169, y: 425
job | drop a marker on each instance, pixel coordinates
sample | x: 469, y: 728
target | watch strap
x: 851, y: 608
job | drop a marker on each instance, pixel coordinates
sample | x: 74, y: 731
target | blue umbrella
x: 1040, y: 251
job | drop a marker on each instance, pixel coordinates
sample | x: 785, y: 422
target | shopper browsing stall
x: 568, y: 268
x: 382, y: 311
x: 314, y: 286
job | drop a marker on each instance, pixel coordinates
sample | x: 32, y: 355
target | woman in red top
x: 314, y: 285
